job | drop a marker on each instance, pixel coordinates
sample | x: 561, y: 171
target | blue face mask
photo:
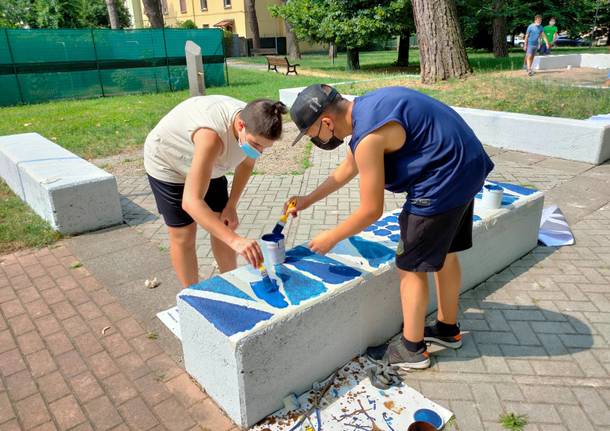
x: 249, y: 150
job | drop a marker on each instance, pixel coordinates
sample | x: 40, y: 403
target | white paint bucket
x: 274, y: 248
x: 492, y: 197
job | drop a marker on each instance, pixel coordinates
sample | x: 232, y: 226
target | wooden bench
x: 274, y: 62
x: 264, y: 51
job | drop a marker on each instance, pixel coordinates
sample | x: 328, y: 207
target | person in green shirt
x: 551, y: 33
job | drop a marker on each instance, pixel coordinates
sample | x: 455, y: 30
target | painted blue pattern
x: 394, y: 227
x: 268, y: 290
x: 227, y: 318
x: 370, y: 228
x: 391, y: 219
x: 220, y: 285
x: 395, y: 238
x: 382, y: 232
x: 376, y: 254
x: 298, y: 288
x: 524, y: 191
x: 327, y: 269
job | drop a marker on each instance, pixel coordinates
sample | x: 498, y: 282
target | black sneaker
x: 432, y: 335
x: 395, y: 353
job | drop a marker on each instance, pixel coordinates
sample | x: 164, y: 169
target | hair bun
x: 279, y: 108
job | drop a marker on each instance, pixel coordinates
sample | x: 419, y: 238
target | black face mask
x: 331, y: 144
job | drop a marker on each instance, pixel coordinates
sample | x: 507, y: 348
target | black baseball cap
x: 309, y: 105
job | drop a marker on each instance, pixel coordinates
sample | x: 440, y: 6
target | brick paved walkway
x: 537, y: 335
x: 72, y: 357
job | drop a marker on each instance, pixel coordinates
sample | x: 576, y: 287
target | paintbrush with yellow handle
x: 279, y: 227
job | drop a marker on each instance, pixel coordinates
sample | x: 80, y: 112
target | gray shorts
x: 531, y: 49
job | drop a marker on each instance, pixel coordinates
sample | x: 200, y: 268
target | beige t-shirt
x: 168, y: 150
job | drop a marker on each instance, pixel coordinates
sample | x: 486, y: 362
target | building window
x: 204, y: 4
x: 164, y: 7
x: 227, y: 3
x: 182, y: 6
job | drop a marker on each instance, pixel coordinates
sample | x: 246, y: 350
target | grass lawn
x: 20, y: 227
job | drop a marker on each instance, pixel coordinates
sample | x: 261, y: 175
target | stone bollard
x: 194, y: 67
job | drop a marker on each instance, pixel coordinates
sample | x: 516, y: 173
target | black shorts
x: 425, y: 241
x: 169, y: 199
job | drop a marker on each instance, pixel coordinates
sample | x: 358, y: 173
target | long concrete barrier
x: 70, y: 193
x: 249, y: 348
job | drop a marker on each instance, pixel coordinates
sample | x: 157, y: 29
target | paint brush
x: 265, y: 276
x: 279, y: 227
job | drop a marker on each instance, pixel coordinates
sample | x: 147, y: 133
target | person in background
x: 532, y: 37
x: 551, y: 33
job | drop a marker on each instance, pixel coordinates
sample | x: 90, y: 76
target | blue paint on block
x: 268, y: 290
x: 382, y: 232
x: 325, y: 268
x: 298, y: 288
x: 395, y: 237
x: 391, y: 219
x: 476, y: 218
x: 509, y: 199
x: 376, y: 254
x: 517, y: 189
x: 227, y: 318
x: 381, y: 222
x: 222, y: 286
x: 370, y: 228
x: 394, y: 227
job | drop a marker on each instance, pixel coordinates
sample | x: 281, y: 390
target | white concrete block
x: 70, y: 193
x: 546, y: 62
x: 249, y: 350
x: 566, y: 138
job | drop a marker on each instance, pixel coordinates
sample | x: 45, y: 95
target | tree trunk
x: 152, y: 9
x: 441, y: 45
x: 403, y: 50
x: 332, y: 51
x: 353, y: 59
x: 253, y: 23
x: 292, y: 43
x: 113, y: 15
x: 500, y: 47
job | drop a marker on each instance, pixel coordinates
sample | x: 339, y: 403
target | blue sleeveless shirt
x: 442, y: 164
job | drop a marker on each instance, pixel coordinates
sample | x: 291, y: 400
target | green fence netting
x: 41, y: 65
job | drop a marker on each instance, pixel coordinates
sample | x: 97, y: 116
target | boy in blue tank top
x: 405, y: 142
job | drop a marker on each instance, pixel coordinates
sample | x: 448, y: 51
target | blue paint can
x: 492, y: 196
x: 274, y: 248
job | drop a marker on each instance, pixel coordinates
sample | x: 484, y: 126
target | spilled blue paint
x: 220, y: 285
x: 268, y: 290
x: 376, y: 254
x: 227, y: 318
x: 382, y: 232
x: 517, y: 189
x: 298, y: 288
x: 327, y: 269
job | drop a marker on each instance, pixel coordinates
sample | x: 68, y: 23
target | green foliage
x: 187, y: 24
x: 347, y: 23
x: 59, y: 13
x: 513, y: 422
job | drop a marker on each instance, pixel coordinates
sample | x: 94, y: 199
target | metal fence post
x: 10, y: 52
x: 97, y: 64
x: 169, y: 75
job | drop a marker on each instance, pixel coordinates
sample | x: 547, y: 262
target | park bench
x: 249, y: 349
x: 263, y: 51
x: 73, y: 195
x: 274, y: 62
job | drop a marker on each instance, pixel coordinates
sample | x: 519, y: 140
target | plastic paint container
x: 428, y: 416
x: 421, y: 426
x: 274, y: 248
x: 492, y: 197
